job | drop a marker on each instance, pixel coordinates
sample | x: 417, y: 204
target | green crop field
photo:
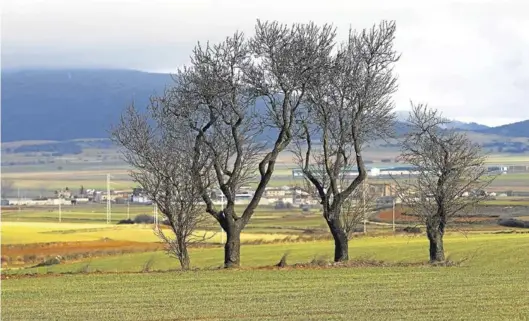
x: 491, y: 285
x: 392, y: 249
x: 513, y: 177
x: 503, y: 159
x: 506, y: 202
x: 45, y: 179
x: 488, y: 283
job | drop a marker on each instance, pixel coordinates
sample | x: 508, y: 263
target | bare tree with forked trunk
x: 214, y: 99
x: 158, y: 152
x: 347, y: 106
x: 450, y: 175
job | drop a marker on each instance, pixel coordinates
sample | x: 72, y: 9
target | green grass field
x: 35, y: 180
x: 491, y: 285
x: 266, y: 219
x: 506, y: 159
x: 407, y: 249
x: 506, y: 202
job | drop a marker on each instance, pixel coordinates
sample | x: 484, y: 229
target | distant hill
x: 467, y: 126
x: 402, y: 116
x: 70, y: 104
x: 518, y: 129
x: 61, y: 105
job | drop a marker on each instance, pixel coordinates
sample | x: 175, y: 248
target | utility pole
x: 393, y: 214
x: 109, y: 208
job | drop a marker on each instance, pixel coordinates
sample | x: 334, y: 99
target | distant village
x: 284, y: 196
x: 382, y: 192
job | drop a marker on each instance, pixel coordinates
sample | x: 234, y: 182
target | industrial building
x: 372, y: 172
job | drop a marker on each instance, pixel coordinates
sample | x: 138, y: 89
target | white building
x: 141, y: 199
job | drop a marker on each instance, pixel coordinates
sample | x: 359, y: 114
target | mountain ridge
x: 67, y: 104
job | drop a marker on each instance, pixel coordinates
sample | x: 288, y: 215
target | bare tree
x: 448, y: 166
x: 348, y: 105
x: 159, y: 155
x: 7, y: 188
x: 216, y: 100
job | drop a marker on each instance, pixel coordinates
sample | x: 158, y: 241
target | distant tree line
x: 55, y: 149
x: 507, y: 147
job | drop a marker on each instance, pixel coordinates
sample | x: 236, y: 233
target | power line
x: 109, y: 205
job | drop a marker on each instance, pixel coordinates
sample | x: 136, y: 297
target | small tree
x: 349, y: 105
x: 161, y: 165
x: 448, y: 166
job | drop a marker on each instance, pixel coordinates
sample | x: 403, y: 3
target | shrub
x: 283, y: 261
x: 147, y: 266
x: 30, y: 258
x: 511, y: 222
x: 358, y: 230
x: 412, y: 229
x: 319, y: 261
x: 85, y: 268
x: 6, y: 259
x: 144, y: 219
x: 51, y: 261
x: 127, y: 221
x: 282, y: 205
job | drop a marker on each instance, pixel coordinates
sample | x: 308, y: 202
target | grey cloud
x: 468, y: 58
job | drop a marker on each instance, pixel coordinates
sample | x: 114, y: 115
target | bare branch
x: 347, y: 105
x: 159, y: 154
x: 451, y: 174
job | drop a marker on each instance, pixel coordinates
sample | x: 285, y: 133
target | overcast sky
x: 467, y: 58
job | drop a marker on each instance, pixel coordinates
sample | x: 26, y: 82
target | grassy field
x: 507, y: 202
x: 491, y: 285
x: 503, y: 159
x: 46, y: 182
x: 266, y: 219
x: 407, y: 249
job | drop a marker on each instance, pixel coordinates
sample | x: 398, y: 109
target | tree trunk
x: 341, y: 243
x: 183, y: 256
x: 437, y: 253
x: 232, y: 248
